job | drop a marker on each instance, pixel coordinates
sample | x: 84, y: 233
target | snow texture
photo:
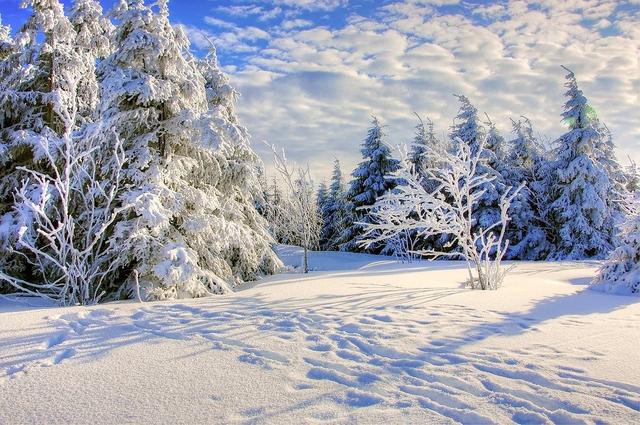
x: 365, y: 340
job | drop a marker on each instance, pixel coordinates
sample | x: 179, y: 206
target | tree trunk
x: 305, y: 260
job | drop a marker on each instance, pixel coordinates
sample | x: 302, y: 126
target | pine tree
x: 370, y: 180
x: 579, y: 187
x: 632, y: 176
x: 6, y: 43
x: 93, y: 43
x: 604, y: 151
x: 248, y: 252
x: 321, y: 200
x: 424, y: 154
x: 419, y: 148
x: 192, y: 176
x: 525, y: 233
x: 334, y: 211
x: 493, y: 160
x: 467, y: 127
x: 321, y: 195
x: 620, y: 274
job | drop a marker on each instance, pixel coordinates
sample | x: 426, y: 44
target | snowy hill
x: 362, y: 339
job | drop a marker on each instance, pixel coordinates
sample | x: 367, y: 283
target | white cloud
x: 312, y: 89
x: 312, y: 4
x: 210, y: 20
x: 295, y: 23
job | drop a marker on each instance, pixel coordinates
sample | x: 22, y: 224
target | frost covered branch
x: 72, y: 210
x: 297, y: 211
x: 448, y: 209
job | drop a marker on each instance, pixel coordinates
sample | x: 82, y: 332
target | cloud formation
x: 311, y: 86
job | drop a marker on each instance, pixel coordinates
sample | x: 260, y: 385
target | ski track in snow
x: 357, y: 353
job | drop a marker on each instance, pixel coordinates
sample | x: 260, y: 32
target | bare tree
x: 73, y: 209
x: 296, y: 211
x: 446, y: 210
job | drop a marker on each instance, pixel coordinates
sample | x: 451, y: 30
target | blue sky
x: 311, y: 72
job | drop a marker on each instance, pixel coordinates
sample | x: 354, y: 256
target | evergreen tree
x: 321, y: 200
x: 493, y: 160
x: 321, y: 195
x: 93, y: 43
x: 238, y: 228
x: 370, y: 180
x: 6, y: 43
x: 468, y: 130
x: 525, y: 233
x: 424, y: 154
x: 192, y: 176
x: 467, y: 127
x: 620, y: 274
x: 579, y: 187
x: 419, y: 147
x: 334, y: 211
x: 604, y: 150
x: 632, y: 176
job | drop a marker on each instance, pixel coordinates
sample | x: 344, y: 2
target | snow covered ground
x: 363, y: 339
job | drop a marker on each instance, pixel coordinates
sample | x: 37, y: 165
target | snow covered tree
x: 371, y: 179
x: 73, y: 211
x: 604, y: 150
x: 526, y: 232
x: 92, y: 43
x: 632, y: 176
x: 426, y: 150
x: 321, y: 201
x: 467, y: 127
x: 6, y: 43
x: 620, y: 274
x: 489, y: 144
x: 321, y: 195
x: 38, y: 79
x: 449, y: 209
x: 297, y: 208
x: 419, y: 147
x: 579, y: 209
x: 247, y: 253
x: 193, y: 229
x: 335, y: 210
x: 492, y: 161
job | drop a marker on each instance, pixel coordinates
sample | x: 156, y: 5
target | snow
x: 362, y: 339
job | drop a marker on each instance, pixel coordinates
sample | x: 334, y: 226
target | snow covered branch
x: 448, y: 209
x: 297, y: 210
x: 72, y: 210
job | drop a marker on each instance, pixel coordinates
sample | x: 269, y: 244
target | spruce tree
x: 192, y: 176
x: 6, y: 42
x: 93, y: 43
x: 525, y: 232
x: 370, y: 180
x: 469, y: 130
x: 334, y: 211
x: 321, y: 200
x: 493, y: 160
x: 467, y: 127
x: 579, y: 188
x: 321, y: 195
x: 620, y: 274
x: 604, y: 151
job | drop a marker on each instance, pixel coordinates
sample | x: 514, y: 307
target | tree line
x: 571, y: 200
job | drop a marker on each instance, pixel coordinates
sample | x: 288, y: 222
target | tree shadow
x: 575, y: 307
